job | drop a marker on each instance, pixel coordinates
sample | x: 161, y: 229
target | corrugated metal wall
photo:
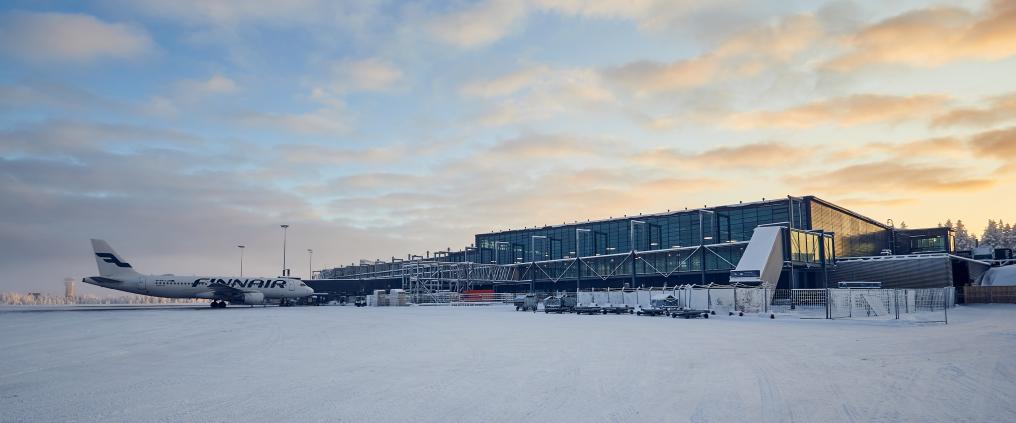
x: 925, y: 272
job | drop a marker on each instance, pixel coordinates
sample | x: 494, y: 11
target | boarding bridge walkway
x: 762, y: 261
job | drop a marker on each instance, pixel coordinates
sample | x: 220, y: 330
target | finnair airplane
x: 115, y: 273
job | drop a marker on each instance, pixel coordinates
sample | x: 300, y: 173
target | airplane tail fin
x: 110, y: 263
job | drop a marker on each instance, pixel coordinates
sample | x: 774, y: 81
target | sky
x: 177, y: 130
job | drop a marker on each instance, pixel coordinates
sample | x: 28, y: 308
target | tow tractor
x: 526, y: 302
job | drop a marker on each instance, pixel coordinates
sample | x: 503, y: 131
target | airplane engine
x: 252, y: 298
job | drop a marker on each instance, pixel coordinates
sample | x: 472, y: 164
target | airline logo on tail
x: 109, y: 258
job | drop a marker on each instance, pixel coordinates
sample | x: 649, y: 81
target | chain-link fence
x: 929, y: 305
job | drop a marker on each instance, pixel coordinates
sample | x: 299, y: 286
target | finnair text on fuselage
x: 241, y: 283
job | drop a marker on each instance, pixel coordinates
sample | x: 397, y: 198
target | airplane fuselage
x: 172, y: 286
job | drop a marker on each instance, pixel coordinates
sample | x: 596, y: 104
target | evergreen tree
x: 964, y: 241
x: 993, y: 236
x: 1008, y: 236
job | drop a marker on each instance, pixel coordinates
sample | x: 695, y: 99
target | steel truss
x: 429, y: 277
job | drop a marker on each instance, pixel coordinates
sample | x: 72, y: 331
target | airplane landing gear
x: 218, y: 304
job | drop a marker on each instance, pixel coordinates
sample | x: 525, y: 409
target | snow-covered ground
x: 441, y: 364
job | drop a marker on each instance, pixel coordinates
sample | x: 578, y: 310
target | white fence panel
x: 644, y: 298
x: 722, y: 299
x: 615, y: 298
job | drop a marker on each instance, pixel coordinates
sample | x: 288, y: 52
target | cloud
x: 363, y: 75
x: 216, y: 84
x: 322, y: 121
x: 551, y: 146
x: 538, y: 92
x: 934, y: 149
x: 233, y: 13
x: 479, y: 24
x: 314, y: 154
x: 647, y: 77
x: 51, y: 95
x: 488, y: 21
x: 1000, y: 143
x: 191, y: 94
x: 842, y: 111
x: 64, y: 37
x: 65, y: 183
x: 892, y: 176
x: 744, y: 53
x: 933, y: 36
x: 854, y: 203
x: 56, y: 139
x: 504, y: 85
x: 1000, y: 109
x: 755, y: 155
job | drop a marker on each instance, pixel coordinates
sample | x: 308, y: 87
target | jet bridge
x: 762, y: 261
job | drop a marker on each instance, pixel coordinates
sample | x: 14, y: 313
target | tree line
x: 997, y: 234
x: 16, y: 298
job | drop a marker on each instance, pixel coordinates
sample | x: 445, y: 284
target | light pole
x: 310, y: 263
x: 702, y: 239
x: 631, y: 235
x: 578, y: 259
x: 284, y: 227
x: 241, y: 247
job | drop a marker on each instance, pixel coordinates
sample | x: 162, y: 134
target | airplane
x: 116, y: 273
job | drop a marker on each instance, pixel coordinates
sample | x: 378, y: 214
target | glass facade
x: 929, y: 240
x: 855, y: 235
x: 667, y: 243
x: 719, y: 225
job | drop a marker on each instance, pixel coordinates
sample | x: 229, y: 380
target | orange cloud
x: 893, y: 176
x: 1000, y: 143
x: 748, y: 155
x: 646, y: 77
x: 931, y: 147
x: 550, y: 146
x: 842, y: 111
x: 1000, y: 109
x: 933, y: 36
x: 743, y: 54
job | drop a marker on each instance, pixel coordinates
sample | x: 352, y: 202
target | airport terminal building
x: 820, y: 244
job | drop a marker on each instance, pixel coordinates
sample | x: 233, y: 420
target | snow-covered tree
x: 1008, y: 235
x: 964, y: 241
x: 993, y: 235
